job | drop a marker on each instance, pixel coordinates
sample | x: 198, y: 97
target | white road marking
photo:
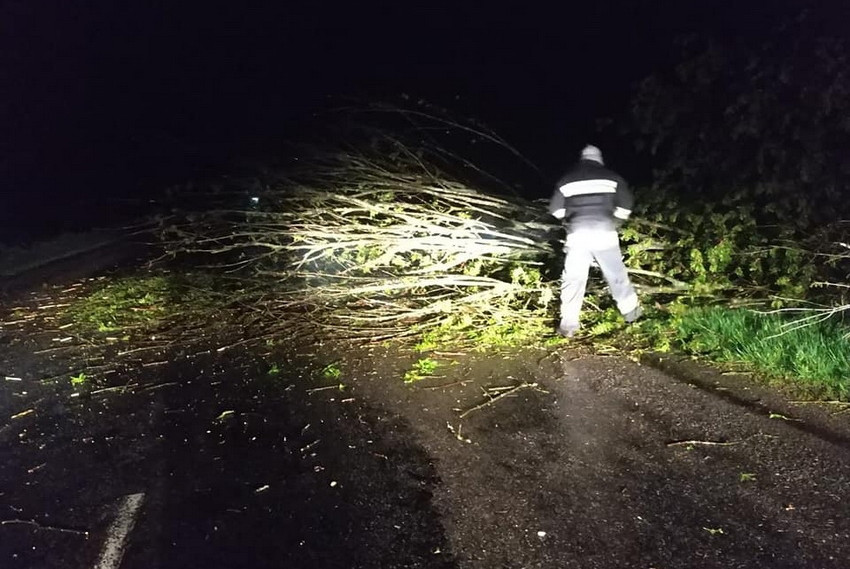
x: 119, y: 531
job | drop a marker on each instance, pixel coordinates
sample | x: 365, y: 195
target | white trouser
x: 583, y: 247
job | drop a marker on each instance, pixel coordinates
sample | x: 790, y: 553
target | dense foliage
x: 748, y: 203
x: 750, y: 147
x: 770, y: 124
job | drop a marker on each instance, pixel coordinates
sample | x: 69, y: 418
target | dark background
x: 105, y: 103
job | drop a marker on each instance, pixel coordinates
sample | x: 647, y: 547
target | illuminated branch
x: 381, y: 240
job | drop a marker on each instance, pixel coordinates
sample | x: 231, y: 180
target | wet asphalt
x: 519, y: 459
x: 590, y: 462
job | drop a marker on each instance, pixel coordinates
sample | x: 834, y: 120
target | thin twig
x: 324, y: 388
x: 703, y: 443
x: 22, y: 414
x: 462, y: 382
x: 116, y: 388
x: 37, y: 525
x: 158, y: 386
x: 825, y: 402
x: 498, y: 398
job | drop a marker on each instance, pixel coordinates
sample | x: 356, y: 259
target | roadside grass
x: 124, y: 303
x: 815, y: 358
x: 135, y: 302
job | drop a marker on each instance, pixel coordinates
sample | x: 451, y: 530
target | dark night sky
x: 110, y: 99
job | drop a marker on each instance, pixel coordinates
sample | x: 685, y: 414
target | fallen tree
x: 385, y: 233
x: 380, y: 237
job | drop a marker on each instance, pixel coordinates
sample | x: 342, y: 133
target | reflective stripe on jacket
x: 590, y: 196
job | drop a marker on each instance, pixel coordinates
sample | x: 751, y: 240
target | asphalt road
x: 593, y: 462
x: 253, y: 459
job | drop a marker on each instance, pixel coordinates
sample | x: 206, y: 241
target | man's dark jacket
x: 591, y: 196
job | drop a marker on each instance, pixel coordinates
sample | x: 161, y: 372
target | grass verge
x: 138, y: 302
x: 815, y: 358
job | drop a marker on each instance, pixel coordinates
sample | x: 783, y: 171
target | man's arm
x: 558, y: 205
x: 624, y: 201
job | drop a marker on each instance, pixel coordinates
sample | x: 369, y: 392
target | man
x: 593, y: 202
